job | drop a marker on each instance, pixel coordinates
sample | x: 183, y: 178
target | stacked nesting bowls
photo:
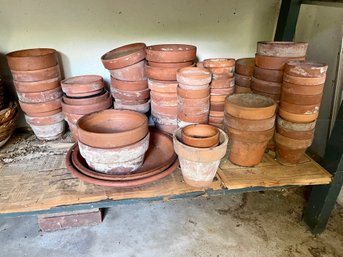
x: 36, y: 76
x: 244, y: 69
x: 163, y: 63
x: 83, y: 95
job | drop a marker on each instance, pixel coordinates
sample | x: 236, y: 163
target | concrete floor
x: 253, y: 224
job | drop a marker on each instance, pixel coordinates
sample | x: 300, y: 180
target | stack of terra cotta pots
x: 250, y: 124
x: 200, y: 148
x: 163, y: 62
x: 36, y: 76
x: 302, y: 90
x: 244, y: 70
x: 129, y: 85
x: 270, y: 60
x: 113, y: 141
x: 222, y: 85
x: 83, y: 95
x: 193, y: 96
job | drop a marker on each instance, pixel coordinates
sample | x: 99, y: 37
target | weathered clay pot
x: 222, y: 91
x: 218, y: 98
x: 247, y: 147
x: 268, y: 74
x: 170, y: 53
x: 50, y: 131
x: 178, y: 65
x: 192, y: 87
x: 216, y: 113
x: 139, y: 107
x: 223, y: 83
x: 86, y: 100
x: 302, y: 90
x: 217, y: 120
x: 193, y: 119
x: 245, y: 66
x: 191, y: 102
x: 36, y: 75
x: 306, y: 69
x: 112, y: 128
x: 273, y: 62
x: 193, y: 76
x: 194, y: 110
x: 130, y: 95
x: 120, y: 160
x: 304, y: 81
x: 170, y: 129
x: 161, y: 73
x: 282, y: 48
x: 40, y: 97
x: 275, y: 97
x: 266, y: 86
x: 290, y: 151
x: 250, y: 106
x: 87, y: 108
x: 193, y: 94
x: 129, y: 85
x: 199, y: 165
x: 243, y: 81
x: 85, y: 85
x: 37, y: 86
x: 133, y: 72
x: 219, y: 63
x: 294, y: 117
x: 299, y: 109
x: 163, y: 111
x: 217, y: 106
x: 162, y: 86
x: 295, y: 130
x: 242, y: 90
x: 44, y: 120
x: 249, y: 125
x: 200, y: 135
x: 34, y: 109
x: 124, y: 56
x: 131, y: 102
x: 289, y: 97
x: 32, y: 59
x: 164, y: 99
x: 222, y: 71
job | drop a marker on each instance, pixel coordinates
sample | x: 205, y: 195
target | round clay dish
x: 131, y: 95
x: 40, y: 97
x: 268, y: 74
x: 245, y: 66
x: 250, y: 106
x: 249, y: 125
x: 299, y: 109
x: 217, y: 106
x: 138, y: 107
x: 222, y: 71
x: 161, y: 73
x: 191, y: 102
x: 193, y: 76
x: 306, y: 69
x: 273, y: 62
x: 302, y: 90
x: 243, y: 81
x: 266, y: 86
x: 219, y: 62
x: 37, y: 86
x: 137, y: 85
x: 82, y: 85
x: 132, y: 72
x: 223, y: 83
x: 304, y: 81
x: 162, y: 86
x: 171, y: 64
x: 123, y: 56
x: 218, y: 98
x: 37, y: 75
x: 88, y: 108
x: 112, y: 128
x: 282, y: 48
x: 200, y: 135
x: 170, y: 53
x: 300, y: 99
x: 203, y: 118
x: 86, y: 100
x: 33, y: 109
x: 193, y: 94
x: 168, y: 111
x: 222, y: 91
x: 32, y: 59
x: 300, y: 118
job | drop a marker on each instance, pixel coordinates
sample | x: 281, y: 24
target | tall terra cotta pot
x: 199, y: 165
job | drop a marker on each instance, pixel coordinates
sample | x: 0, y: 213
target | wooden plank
x: 270, y: 173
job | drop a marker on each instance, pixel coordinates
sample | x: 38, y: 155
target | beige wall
x: 83, y: 30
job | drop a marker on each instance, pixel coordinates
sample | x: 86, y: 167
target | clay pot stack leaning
x: 200, y: 148
x: 36, y: 76
x: 193, y: 96
x: 244, y: 69
x: 222, y: 85
x: 163, y: 63
x: 270, y: 61
x: 129, y: 86
x: 113, y: 141
x: 83, y: 95
x: 302, y: 90
x: 250, y: 124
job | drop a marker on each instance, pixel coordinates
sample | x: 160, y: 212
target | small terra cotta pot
x: 84, y: 85
x: 37, y: 75
x: 132, y: 72
x: 170, y: 53
x: 200, y: 135
x: 162, y: 86
x: 273, y: 62
x: 193, y: 94
x: 223, y: 83
x: 306, y: 69
x: 295, y: 130
x: 245, y: 66
x: 193, y: 76
x: 35, y: 109
x: 268, y: 74
x: 137, y: 85
x: 40, y: 97
x: 304, y: 81
x: 37, y: 86
x: 199, y: 165
x: 302, y: 90
x: 282, y: 48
